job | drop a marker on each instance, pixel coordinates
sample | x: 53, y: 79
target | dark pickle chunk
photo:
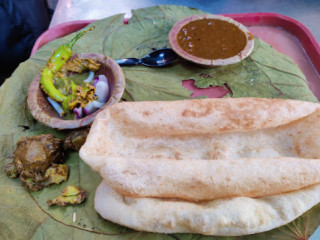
x: 36, y: 162
x: 56, y: 174
x: 71, y: 195
x: 11, y: 170
x: 35, y: 154
x: 76, y: 139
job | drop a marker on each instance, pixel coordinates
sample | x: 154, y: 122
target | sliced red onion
x: 103, y: 78
x: 100, y: 78
x: 102, y: 90
x: 90, y: 77
x: 95, y: 80
x: 98, y: 104
x: 56, y: 106
x: 90, y: 108
x: 78, y: 113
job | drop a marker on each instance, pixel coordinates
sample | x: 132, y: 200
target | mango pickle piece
x: 71, y: 195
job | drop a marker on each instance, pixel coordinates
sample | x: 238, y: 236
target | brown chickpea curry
x: 211, y: 39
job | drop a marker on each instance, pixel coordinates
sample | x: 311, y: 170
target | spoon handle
x: 128, y: 61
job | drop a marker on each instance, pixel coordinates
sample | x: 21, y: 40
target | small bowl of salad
x: 71, y: 95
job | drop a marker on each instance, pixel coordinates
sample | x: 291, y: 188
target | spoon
x: 157, y: 58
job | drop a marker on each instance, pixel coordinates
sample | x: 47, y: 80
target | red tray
x: 285, y: 34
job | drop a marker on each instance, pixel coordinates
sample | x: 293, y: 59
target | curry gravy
x: 211, y: 39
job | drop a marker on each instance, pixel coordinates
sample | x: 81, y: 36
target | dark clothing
x: 21, y: 23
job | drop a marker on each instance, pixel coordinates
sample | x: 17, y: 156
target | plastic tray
x: 285, y: 34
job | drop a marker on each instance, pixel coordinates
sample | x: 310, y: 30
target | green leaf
x: 265, y: 73
x: 26, y: 215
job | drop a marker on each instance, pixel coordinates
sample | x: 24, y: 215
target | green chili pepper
x: 54, y: 64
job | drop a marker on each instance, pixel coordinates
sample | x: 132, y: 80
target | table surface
x: 305, y: 11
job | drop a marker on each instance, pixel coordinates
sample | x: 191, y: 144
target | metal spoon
x: 157, y: 58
